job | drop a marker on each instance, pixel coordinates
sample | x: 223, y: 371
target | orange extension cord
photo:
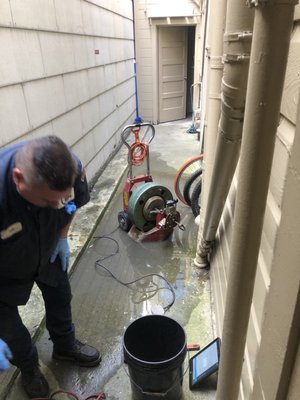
x: 99, y: 396
x: 138, y: 149
x: 138, y: 152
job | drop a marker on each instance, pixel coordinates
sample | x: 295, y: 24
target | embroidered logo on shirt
x: 11, y: 230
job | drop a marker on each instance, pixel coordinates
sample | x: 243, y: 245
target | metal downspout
x: 271, y: 38
x: 237, y: 44
x: 207, y: 9
x: 217, y: 15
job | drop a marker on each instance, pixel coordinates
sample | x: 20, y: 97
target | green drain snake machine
x: 149, y: 209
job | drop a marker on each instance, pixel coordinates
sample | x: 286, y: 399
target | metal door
x: 172, y: 73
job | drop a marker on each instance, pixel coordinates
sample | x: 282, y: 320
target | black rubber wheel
x: 124, y: 221
x: 184, y: 172
x: 195, y: 198
x: 190, y: 184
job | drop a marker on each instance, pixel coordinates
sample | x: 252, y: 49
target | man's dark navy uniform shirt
x: 29, y: 234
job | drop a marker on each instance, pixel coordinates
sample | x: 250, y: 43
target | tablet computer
x: 204, y: 363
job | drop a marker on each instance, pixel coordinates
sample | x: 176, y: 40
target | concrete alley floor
x: 103, y: 307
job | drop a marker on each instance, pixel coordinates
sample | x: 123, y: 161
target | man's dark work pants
x: 58, y: 322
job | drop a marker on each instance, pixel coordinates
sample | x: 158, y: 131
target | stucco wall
x: 67, y: 69
x: 266, y: 382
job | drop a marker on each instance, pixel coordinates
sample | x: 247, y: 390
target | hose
x: 138, y: 152
x: 138, y: 149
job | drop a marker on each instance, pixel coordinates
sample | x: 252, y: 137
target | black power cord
x: 99, y: 396
x: 146, y: 293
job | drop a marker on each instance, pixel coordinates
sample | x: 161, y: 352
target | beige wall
x: 149, y: 15
x: 277, y: 279
x: 52, y: 81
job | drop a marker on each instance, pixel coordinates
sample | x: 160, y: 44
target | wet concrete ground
x: 103, y: 306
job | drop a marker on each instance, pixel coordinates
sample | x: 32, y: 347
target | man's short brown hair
x: 47, y: 161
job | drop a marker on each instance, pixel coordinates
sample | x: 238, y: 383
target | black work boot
x: 34, y: 383
x: 80, y: 353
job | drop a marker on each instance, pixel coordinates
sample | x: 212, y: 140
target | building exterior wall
x: 148, y: 15
x: 67, y: 69
x: 259, y: 380
x: 294, y: 388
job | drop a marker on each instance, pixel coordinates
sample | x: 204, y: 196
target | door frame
x: 155, y: 23
x: 162, y: 95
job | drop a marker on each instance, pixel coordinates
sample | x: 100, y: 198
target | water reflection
x: 154, y: 273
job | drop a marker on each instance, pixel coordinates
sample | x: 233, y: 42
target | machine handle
x: 129, y: 128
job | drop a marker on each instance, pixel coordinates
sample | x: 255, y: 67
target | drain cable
x: 151, y: 292
x: 99, y: 396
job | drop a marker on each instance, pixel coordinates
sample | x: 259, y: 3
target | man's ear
x: 17, y: 176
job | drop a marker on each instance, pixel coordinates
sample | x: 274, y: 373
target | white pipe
x: 216, y: 25
x: 207, y: 9
x: 271, y: 38
x: 237, y: 43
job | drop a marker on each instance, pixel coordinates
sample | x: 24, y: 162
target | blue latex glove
x: 5, y: 355
x: 70, y: 207
x: 62, y: 250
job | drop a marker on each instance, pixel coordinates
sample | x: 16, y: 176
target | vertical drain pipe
x: 271, y: 38
x: 217, y: 15
x: 237, y: 44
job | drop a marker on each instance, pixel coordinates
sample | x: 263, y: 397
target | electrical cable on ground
x: 99, y: 396
x: 98, y: 263
x: 148, y: 293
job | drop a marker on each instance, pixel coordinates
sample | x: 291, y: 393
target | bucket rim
x: 155, y: 364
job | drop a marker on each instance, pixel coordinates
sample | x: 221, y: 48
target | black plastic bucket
x: 154, y: 349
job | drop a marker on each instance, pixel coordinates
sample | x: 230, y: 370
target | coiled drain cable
x: 98, y: 263
x: 100, y: 396
x: 150, y: 292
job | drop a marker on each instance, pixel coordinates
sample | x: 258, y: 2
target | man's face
x: 41, y: 196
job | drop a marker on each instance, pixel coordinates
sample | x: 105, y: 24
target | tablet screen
x: 205, y: 362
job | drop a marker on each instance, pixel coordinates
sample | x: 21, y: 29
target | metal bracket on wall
x: 234, y: 58
x: 238, y: 36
